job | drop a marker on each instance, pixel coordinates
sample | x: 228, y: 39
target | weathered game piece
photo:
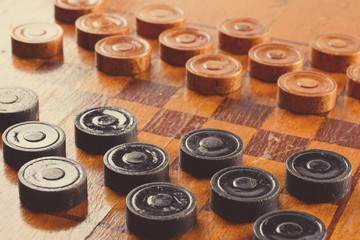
x: 67, y: 11
x: 92, y: 27
x: 318, y: 175
x: 130, y: 165
x: 285, y: 225
x: 177, y: 45
x: 152, y: 20
x: 122, y: 55
x: 353, y: 81
x: 306, y: 92
x: 213, y: 74
x: 26, y: 141
x: 203, y: 152
x: 17, y: 105
x: 269, y: 61
x: 101, y: 128
x: 238, y: 35
x: 37, y: 40
x: 242, y: 194
x: 160, y: 211
x: 334, y: 52
x: 52, y: 184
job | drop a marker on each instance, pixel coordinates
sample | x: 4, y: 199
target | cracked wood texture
x: 166, y: 110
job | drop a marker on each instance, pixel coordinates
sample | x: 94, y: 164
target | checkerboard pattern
x: 166, y: 111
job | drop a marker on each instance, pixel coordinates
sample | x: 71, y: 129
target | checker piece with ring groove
x: 152, y: 20
x: 238, y: 35
x: 269, y: 61
x: 177, y: 45
x: 101, y: 128
x: 51, y: 184
x: 122, y: 55
x: 67, y: 11
x: 37, y: 40
x: 286, y: 225
x: 130, y: 165
x: 203, y: 152
x: 242, y: 194
x: 353, y: 81
x: 17, y: 105
x: 213, y: 74
x: 306, y: 92
x: 318, y: 176
x: 160, y: 210
x: 90, y: 28
x: 334, y: 52
x: 29, y: 140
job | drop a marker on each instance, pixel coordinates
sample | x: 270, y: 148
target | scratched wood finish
x: 165, y: 110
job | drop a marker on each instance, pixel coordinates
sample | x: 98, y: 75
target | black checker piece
x: 205, y: 151
x: 160, y: 211
x: 51, y: 184
x: 99, y: 129
x: 129, y: 165
x: 318, y: 176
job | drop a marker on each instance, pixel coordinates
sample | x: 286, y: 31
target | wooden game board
x: 166, y: 109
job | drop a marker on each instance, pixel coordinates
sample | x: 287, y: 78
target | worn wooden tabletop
x: 166, y: 109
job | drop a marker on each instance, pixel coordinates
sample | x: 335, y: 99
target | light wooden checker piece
x: 334, y: 52
x: 67, y: 11
x: 177, y: 45
x: 238, y: 35
x: 37, y: 40
x: 353, y: 81
x: 213, y: 74
x: 269, y: 61
x: 122, y: 55
x: 92, y: 27
x: 306, y: 92
x: 152, y: 20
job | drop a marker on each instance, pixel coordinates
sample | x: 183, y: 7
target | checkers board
x: 166, y: 110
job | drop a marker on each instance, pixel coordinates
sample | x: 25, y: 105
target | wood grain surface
x: 166, y: 109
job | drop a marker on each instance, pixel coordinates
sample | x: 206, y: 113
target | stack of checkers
x: 48, y: 181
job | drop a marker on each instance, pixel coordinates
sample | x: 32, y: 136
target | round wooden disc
x: 136, y: 164
x: 51, y: 184
x: 152, y: 20
x: 213, y: 74
x: 318, y: 176
x: 67, y: 11
x: 205, y: 151
x: 353, y: 83
x: 17, y: 105
x: 178, y: 45
x: 25, y: 141
x: 238, y: 35
x: 122, y: 55
x: 334, y: 52
x: 306, y: 92
x: 269, y: 61
x: 92, y: 27
x: 285, y: 225
x: 101, y: 128
x: 243, y: 194
x: 160, y: 210
x: 37, y: 40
